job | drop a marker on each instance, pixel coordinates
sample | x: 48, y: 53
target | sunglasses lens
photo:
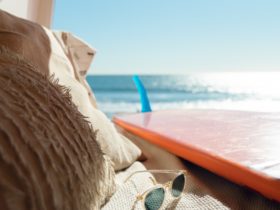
x: 154, y: 199
x: 178, y: 185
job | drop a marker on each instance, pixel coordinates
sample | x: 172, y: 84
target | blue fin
x: 145, y: 103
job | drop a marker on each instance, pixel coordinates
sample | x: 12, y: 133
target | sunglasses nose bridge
x: 139, y: 197
x: 168, y: 184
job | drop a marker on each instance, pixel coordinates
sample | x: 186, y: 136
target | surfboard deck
x: 243, y: 147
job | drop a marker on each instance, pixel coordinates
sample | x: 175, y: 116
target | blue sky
x: 175, y: 36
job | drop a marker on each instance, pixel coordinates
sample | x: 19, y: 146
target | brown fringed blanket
x: 49, y: 157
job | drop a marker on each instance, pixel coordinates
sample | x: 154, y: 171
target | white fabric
x: 121, y: 150
x: 125, y: 196
x: 83, y: 53
x: 80, y: 55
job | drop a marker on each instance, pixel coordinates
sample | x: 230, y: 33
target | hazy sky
x: 175, y: 36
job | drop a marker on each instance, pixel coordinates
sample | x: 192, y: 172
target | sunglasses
x: 153, y: 198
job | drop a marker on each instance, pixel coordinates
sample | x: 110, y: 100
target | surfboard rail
x: 240, y: 146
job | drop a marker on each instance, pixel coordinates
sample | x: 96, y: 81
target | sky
x: 175, y: 36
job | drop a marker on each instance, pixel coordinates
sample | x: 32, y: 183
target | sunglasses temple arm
x: 166, y: 171
x: 154, y: 171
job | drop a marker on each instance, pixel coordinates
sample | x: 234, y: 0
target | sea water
x: 254, y: 91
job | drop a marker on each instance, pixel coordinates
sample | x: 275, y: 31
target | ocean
x: 254, y: 91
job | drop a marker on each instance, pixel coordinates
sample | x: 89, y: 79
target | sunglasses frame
x: 166, y: 186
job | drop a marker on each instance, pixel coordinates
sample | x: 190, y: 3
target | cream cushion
x: 125, y: 196
x: 80, y: 55
x: 121, y: 150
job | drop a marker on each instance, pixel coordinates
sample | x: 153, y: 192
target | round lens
x: 178, y: 185
x: 154, y: 199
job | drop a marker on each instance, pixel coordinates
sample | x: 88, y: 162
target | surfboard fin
x: 145, y: 103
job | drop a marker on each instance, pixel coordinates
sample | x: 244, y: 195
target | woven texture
x: 125, y: 196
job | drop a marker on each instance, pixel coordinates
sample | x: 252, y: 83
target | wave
x: 237, y: 91
x: 113, y: 108
x: 254, y: 83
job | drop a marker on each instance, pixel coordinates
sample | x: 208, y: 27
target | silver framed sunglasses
x: 153, y: 198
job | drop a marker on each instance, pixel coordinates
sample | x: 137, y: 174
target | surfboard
x: 243, y: 147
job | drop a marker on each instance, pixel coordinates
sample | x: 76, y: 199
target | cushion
x: 125, y: 196
x: 25, y: 38
x: 80, y: 54
x: 68, y: 59
x: 49, y: 156
x: 120, y: 149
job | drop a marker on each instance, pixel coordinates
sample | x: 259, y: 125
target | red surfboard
x: 243, y: 147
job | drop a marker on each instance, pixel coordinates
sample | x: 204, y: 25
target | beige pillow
x: 80, y: 54
x: 49, y: 155
x: 70, y: 71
